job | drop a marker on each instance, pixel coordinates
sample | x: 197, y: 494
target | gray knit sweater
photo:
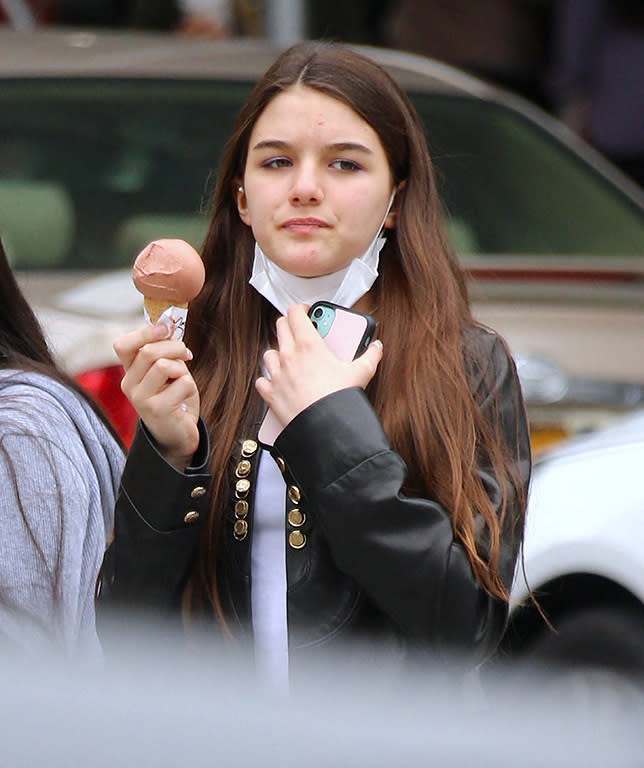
x: 59, y: 472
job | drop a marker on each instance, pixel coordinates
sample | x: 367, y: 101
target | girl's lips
x: 304, y: 223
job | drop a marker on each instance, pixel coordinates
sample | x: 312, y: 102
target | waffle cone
x: 156, y: 307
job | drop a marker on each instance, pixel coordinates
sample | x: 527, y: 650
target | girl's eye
x: 345, y: 165
x: 277, y: 162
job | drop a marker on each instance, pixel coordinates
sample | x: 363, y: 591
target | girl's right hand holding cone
x: 160, y: 387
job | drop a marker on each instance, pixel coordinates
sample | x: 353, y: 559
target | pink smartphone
x: 346, y: 332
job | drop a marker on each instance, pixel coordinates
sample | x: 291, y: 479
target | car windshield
x: 91, y: 170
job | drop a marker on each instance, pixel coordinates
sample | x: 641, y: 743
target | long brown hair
x: 422, y: 389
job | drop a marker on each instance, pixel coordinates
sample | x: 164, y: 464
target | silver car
x: 110, y: 140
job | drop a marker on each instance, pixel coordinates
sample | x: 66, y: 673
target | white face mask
x: 343, y: 287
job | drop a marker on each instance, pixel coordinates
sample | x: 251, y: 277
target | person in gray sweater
x: 60, y: 465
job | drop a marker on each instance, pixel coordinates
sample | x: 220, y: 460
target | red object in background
x: 104, y: 385
x: 43, y: 11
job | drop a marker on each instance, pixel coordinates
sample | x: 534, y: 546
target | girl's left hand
x: 303, y: 370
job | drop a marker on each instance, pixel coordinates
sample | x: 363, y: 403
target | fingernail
x: 189, y: 354
x: 161, y: 331
x: 377, y: 343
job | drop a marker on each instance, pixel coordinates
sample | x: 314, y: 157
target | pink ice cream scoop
x: 169, y: 273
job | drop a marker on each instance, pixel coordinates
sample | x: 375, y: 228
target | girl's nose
x: 306, y: 188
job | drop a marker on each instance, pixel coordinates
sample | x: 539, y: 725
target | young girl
x: 60, y: 463
x: 390, y: 508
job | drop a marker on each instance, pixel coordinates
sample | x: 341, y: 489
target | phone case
x: 346, y: 332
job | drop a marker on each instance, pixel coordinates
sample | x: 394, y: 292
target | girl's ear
x: 392, y: 216
x: 242, y: 203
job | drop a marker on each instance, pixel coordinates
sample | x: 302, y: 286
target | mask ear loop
x: 384, y: 218
x: 380, y: 236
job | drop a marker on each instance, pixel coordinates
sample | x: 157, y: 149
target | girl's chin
x: 308, y: 274
x: 306, y: 264
x: 302, y: 268
x: 310, y: 268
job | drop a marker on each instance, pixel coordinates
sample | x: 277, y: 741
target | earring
x: 240, y: 189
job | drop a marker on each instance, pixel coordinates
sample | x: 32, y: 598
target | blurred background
x: 511, y: 177
x: 113, y: 115
x: 580, y: 59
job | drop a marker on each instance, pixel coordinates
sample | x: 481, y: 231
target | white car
x: 584, y: 554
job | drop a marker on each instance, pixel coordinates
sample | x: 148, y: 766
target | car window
x: 104, y: 163
x: 91, y: 170
x: 510, y: 188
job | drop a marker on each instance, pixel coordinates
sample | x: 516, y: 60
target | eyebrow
x: 340, y: 146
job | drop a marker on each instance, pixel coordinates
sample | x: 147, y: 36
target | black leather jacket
x: 364, y: 562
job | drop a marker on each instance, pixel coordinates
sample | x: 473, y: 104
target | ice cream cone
x: 156, y: 307
x: 169, y: 273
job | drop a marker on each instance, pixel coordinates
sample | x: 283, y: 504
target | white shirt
x: 268, y: 575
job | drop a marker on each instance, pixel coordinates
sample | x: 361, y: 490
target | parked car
x: 584, y: 555
x: 110, y: 140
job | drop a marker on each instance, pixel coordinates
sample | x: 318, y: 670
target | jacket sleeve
x: 401, y: 550
x: 158, y: 517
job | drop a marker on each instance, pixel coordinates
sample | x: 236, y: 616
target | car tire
x: 606, y: 637
x: 595, y: 658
